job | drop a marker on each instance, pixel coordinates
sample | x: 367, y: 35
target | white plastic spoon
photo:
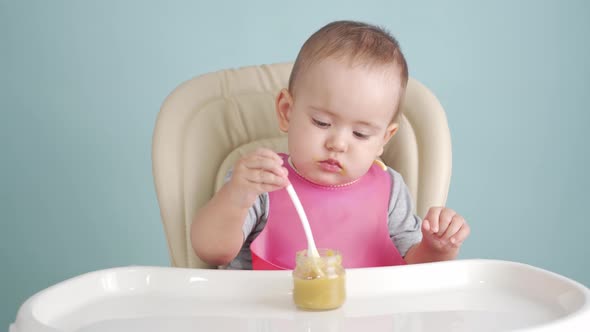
x: 312, y: 251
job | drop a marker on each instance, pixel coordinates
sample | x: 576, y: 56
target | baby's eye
x: 360, y: 135
x: 320, y: 124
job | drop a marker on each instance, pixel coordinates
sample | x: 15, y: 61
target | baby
x: 341, y: 107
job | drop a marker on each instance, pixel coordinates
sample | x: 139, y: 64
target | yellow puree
x: 322, y: 293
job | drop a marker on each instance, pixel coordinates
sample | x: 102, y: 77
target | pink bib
x: 351, y: 219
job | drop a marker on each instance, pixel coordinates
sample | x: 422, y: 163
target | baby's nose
x: 336, y: 143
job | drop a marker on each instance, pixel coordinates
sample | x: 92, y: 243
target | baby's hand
x: 256, y: 173
x: 444, y: 230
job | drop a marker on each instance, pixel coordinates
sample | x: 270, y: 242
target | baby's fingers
x: 432, y: 217
x: 461, y: 235
x: 444, y: 220
x: 267, y: 153
x: 454, y: 226
x: 426, y: 226
x: 257, y: 163
x: 269, y: 187
x: 263, y: 177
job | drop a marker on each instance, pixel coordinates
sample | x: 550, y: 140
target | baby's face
x: 340, y: 119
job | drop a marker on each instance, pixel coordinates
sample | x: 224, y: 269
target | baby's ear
x: 389, y: 132
x: 283, y: 107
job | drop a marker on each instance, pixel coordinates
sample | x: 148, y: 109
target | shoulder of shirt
x: 397, y: 185
x: 395, y: 175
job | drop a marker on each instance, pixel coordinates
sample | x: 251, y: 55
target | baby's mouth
x: 333, y: 162
x: 331, y: 165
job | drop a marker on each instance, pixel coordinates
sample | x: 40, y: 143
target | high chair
x: 207, y: 123
x: 203, y: 127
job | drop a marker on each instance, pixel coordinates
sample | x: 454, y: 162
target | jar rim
x: 329, y: 256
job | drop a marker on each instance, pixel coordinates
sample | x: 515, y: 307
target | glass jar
x: 319, y: 283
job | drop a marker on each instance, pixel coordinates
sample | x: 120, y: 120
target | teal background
x: 81, y: 83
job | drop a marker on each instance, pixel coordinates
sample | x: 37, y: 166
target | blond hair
x: 359, y: 42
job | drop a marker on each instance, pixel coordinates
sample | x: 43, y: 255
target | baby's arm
x: 216, y: 231
x: 443, y: 232
x: 437, y: 238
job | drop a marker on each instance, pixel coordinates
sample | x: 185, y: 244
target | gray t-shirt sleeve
x: 404, y: 226
x: 251, y: 227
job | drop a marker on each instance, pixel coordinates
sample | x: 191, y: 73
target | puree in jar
x: 319, y: 283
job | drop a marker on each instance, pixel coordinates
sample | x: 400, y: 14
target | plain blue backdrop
x: 81, y: 83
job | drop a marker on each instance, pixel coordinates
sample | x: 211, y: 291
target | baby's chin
x: 320, y: 178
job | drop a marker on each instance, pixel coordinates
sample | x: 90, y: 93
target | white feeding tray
x: 461, y: 295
